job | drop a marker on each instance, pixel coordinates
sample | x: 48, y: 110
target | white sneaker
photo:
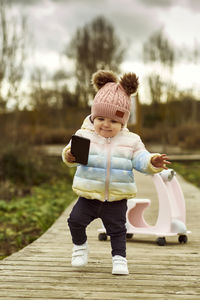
x: 80, y: 255
x: 119, y: 265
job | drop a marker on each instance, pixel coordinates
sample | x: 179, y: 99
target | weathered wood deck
x: 43, y: 271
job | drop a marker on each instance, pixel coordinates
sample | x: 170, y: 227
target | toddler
x: 107, y: 181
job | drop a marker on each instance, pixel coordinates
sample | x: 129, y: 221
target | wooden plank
x: 105, y: 296
x: 113, y: 290
x: 195, y: 270
x: 138, y: 261
x: 61, y: 283
x: 87, y: 276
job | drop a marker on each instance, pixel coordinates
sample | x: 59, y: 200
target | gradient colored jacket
x: 109, y: 172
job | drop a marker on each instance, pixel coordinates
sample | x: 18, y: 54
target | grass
x: 189, y: 170
x: 24, y: 219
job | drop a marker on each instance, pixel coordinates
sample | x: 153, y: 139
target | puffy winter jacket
x: 109, y: 172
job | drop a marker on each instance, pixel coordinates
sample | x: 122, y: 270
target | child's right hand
x: 70, y: 157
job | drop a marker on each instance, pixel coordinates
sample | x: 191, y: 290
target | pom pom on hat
x: 101, y: 77
x: 112, y: 99
x: 130, y: 83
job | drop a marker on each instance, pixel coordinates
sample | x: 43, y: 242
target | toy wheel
x: 161, y: 241
x: 102, y: 236
x: 129, y: 235
x: 182, y: 239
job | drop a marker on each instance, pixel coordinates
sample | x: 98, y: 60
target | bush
x: 24, y: 219
x: 21, y: 164
x: 34, y: 190
x: 191, y: 142
x: 152, y: 135
x: 185, y: 136
x: 45, y: 135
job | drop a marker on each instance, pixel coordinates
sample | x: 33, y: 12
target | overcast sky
x: 53, y: 22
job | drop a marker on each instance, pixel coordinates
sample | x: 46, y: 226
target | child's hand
x: 160, y: 161
x: 70, y: 157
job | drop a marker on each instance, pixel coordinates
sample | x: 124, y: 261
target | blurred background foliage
x: 34, y: 188
x: 54, y: 105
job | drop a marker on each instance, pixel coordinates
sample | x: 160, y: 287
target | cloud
x: 157, y: 3
x: 25, y: 2
x: 54, y: 22
x: 194, y: 5
x: 35, y: 2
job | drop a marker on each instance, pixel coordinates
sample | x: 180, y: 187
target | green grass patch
x: 189, y: 170
x: 24, y: 219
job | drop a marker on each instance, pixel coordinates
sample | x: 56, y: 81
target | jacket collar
x: 87, y: 124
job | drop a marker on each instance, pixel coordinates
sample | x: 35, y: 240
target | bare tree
x: 161, y: 54
x: 192, y: 55
x: 93, y: 47
x: 12, y: 55
x: 158, y: 49
x: 156, y: 88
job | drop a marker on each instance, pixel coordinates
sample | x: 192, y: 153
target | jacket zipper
x: 107, y: 170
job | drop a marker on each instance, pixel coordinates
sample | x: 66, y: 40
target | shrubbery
x: 185, y: 136
x: 34, y: 190
x: 24, y: 219
x: 21, y: 167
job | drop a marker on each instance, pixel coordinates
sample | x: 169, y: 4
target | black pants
x: 113, y: 216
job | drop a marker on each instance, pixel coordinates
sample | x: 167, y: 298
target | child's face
x: 106, y: 127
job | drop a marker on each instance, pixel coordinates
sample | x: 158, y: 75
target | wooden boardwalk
x: 42, y: 270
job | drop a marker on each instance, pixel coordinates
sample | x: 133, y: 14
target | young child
x: 107, y: 181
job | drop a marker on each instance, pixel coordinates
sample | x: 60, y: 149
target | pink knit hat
x: 113, y: 98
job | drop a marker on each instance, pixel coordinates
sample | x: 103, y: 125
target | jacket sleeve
x: 142, y: 159
x: 64, y: 159
x: 66, y: 148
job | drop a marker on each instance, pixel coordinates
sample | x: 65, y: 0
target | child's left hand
x: 160, y: 161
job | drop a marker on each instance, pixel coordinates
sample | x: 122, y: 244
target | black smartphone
x: 80, y: 147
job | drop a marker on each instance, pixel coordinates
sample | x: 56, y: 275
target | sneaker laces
x: 119, y: 260
x: 79, y: 250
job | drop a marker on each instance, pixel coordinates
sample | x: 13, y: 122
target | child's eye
x: 113, y: 121
x: 100, y: 119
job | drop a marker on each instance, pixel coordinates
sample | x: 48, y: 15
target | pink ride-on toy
x: 171, y: 215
